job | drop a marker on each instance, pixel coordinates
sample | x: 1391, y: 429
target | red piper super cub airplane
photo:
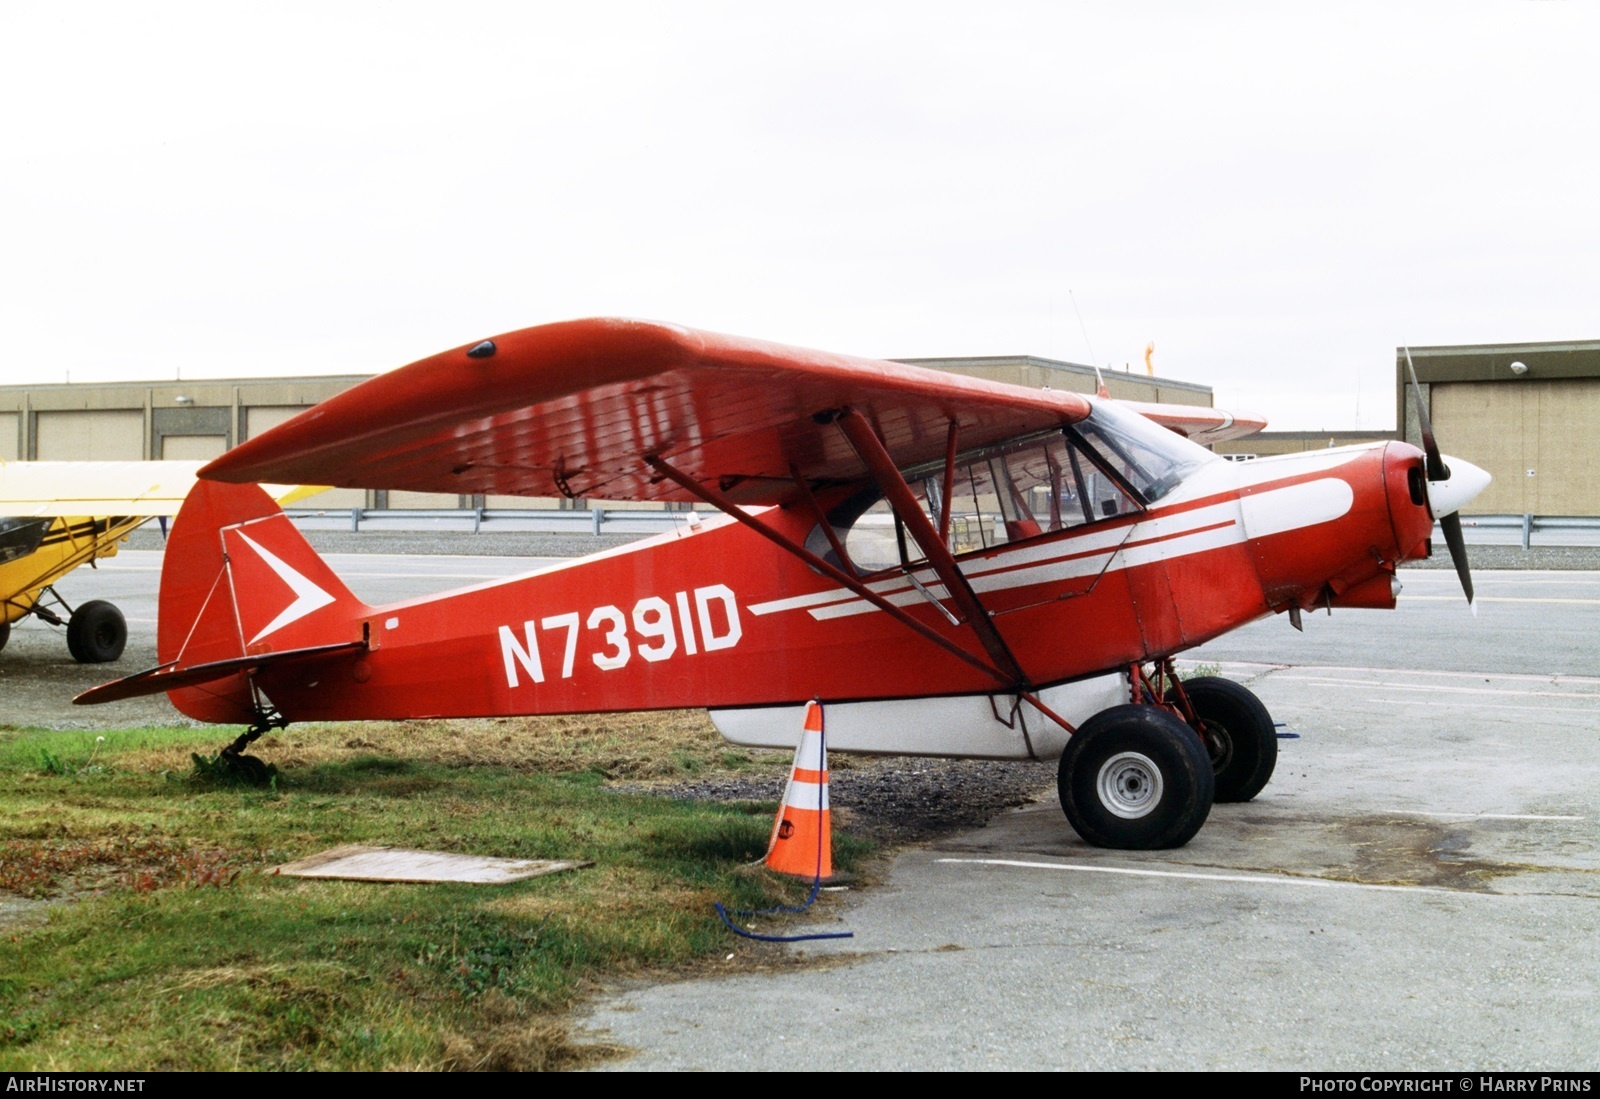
x: 955, y: 567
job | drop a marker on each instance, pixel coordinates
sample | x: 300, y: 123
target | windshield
x: 20, y: 537
x: 1150, y: 459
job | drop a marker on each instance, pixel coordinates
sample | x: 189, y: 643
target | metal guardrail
x: 1530, y: 524
x: 594, y: 521
x: 598, y: 521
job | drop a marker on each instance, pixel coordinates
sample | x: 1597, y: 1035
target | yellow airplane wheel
x: 96, y: 633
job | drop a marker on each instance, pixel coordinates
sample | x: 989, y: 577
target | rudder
x: 238, y: 579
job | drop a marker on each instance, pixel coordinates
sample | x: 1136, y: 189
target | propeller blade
x: 1458, y: 554
x: 1445, y: 501
x: 1437, y: 470
x: 1446, y: 494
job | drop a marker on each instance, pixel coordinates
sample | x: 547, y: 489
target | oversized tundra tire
x: 1135, y: 778
x: 1238, y: 734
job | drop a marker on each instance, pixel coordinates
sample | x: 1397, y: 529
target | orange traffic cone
x: 802, y: 836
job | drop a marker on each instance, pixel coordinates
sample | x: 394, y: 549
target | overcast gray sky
x: 1275, y: 194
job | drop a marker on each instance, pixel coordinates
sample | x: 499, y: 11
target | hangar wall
x: 1536, y: 430
x: 1528, y: 413
x: 1037, y: 373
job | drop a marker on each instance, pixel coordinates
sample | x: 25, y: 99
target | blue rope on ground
x: 781, y: 907
x: 816, y: 887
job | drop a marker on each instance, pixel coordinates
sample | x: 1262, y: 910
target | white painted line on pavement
x: 1494, y: 599
x: 1248, y: 879
x: 1586, y: 711
x: 1278, y: 671
x: 1425, y: 688
x: 1481, y: 816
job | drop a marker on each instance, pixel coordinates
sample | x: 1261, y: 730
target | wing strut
x: 839, y: 576
x: 949, y: 485
x: 894, y: 487
x: 822, y: 519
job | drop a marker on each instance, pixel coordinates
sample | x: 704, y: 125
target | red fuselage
x: 715, y: 616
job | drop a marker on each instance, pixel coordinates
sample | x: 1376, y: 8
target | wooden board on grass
x: 390, y: 864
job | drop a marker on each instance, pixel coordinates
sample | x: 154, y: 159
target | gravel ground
x: 1558, y: 558
x: 896, y: 801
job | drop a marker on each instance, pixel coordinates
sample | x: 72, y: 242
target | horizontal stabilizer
x: 166, y: 677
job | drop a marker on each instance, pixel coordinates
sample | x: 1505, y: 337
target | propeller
x: 1449, y: 488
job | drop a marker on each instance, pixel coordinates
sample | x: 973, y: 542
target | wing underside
x: 578, y: 408
x: 1199, y: 423
x: 133, y: 489
x: 60, y: 489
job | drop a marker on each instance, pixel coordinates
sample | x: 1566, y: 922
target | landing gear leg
x: 250, y: 769
x: 96, y: 631
x: 1237, y: 731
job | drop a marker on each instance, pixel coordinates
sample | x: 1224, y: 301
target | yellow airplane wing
x: 55, y: 516
x: 134, y: 489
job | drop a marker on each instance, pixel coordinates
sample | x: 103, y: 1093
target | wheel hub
x: 1218, y: 742
x: 1129, y: 785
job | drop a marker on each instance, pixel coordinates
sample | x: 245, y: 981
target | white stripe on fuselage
x: 1159, y: 538
x: 1285, y: 509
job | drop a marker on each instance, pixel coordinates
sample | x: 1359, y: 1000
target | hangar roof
x: 1492, y: 362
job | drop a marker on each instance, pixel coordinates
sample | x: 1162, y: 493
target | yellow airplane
x: 55, y: 516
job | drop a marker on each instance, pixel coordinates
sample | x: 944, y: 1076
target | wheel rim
x: 1129, y: 785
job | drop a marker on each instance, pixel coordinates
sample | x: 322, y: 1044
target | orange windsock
x: 802, y: 834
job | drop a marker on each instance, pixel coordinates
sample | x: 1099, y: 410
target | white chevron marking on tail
x: 307, y: 596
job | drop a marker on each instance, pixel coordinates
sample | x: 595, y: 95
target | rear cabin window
x: 1110, y: 464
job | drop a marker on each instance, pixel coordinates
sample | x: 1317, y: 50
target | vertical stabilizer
x: 239, y: 580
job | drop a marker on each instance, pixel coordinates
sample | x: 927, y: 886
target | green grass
x: 171, y: 945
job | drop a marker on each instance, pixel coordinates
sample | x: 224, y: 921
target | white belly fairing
x: 964, y: 726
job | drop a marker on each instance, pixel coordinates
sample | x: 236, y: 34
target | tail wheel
x: 5, y: 632
x: 96, y: 633
x: 1238, y: 734
x: 1135, y: 778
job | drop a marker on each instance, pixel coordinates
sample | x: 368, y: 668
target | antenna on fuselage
x: 1082, y: 327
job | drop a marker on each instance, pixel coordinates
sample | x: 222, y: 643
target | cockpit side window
x: 1112, y: 463
x: 866, y: 526
x: 1003, y: 494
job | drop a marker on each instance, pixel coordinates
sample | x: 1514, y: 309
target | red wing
x: 576, y: 407
x: 1198, y: 423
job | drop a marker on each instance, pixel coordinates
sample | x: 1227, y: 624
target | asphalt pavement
x: 1417, y: 889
